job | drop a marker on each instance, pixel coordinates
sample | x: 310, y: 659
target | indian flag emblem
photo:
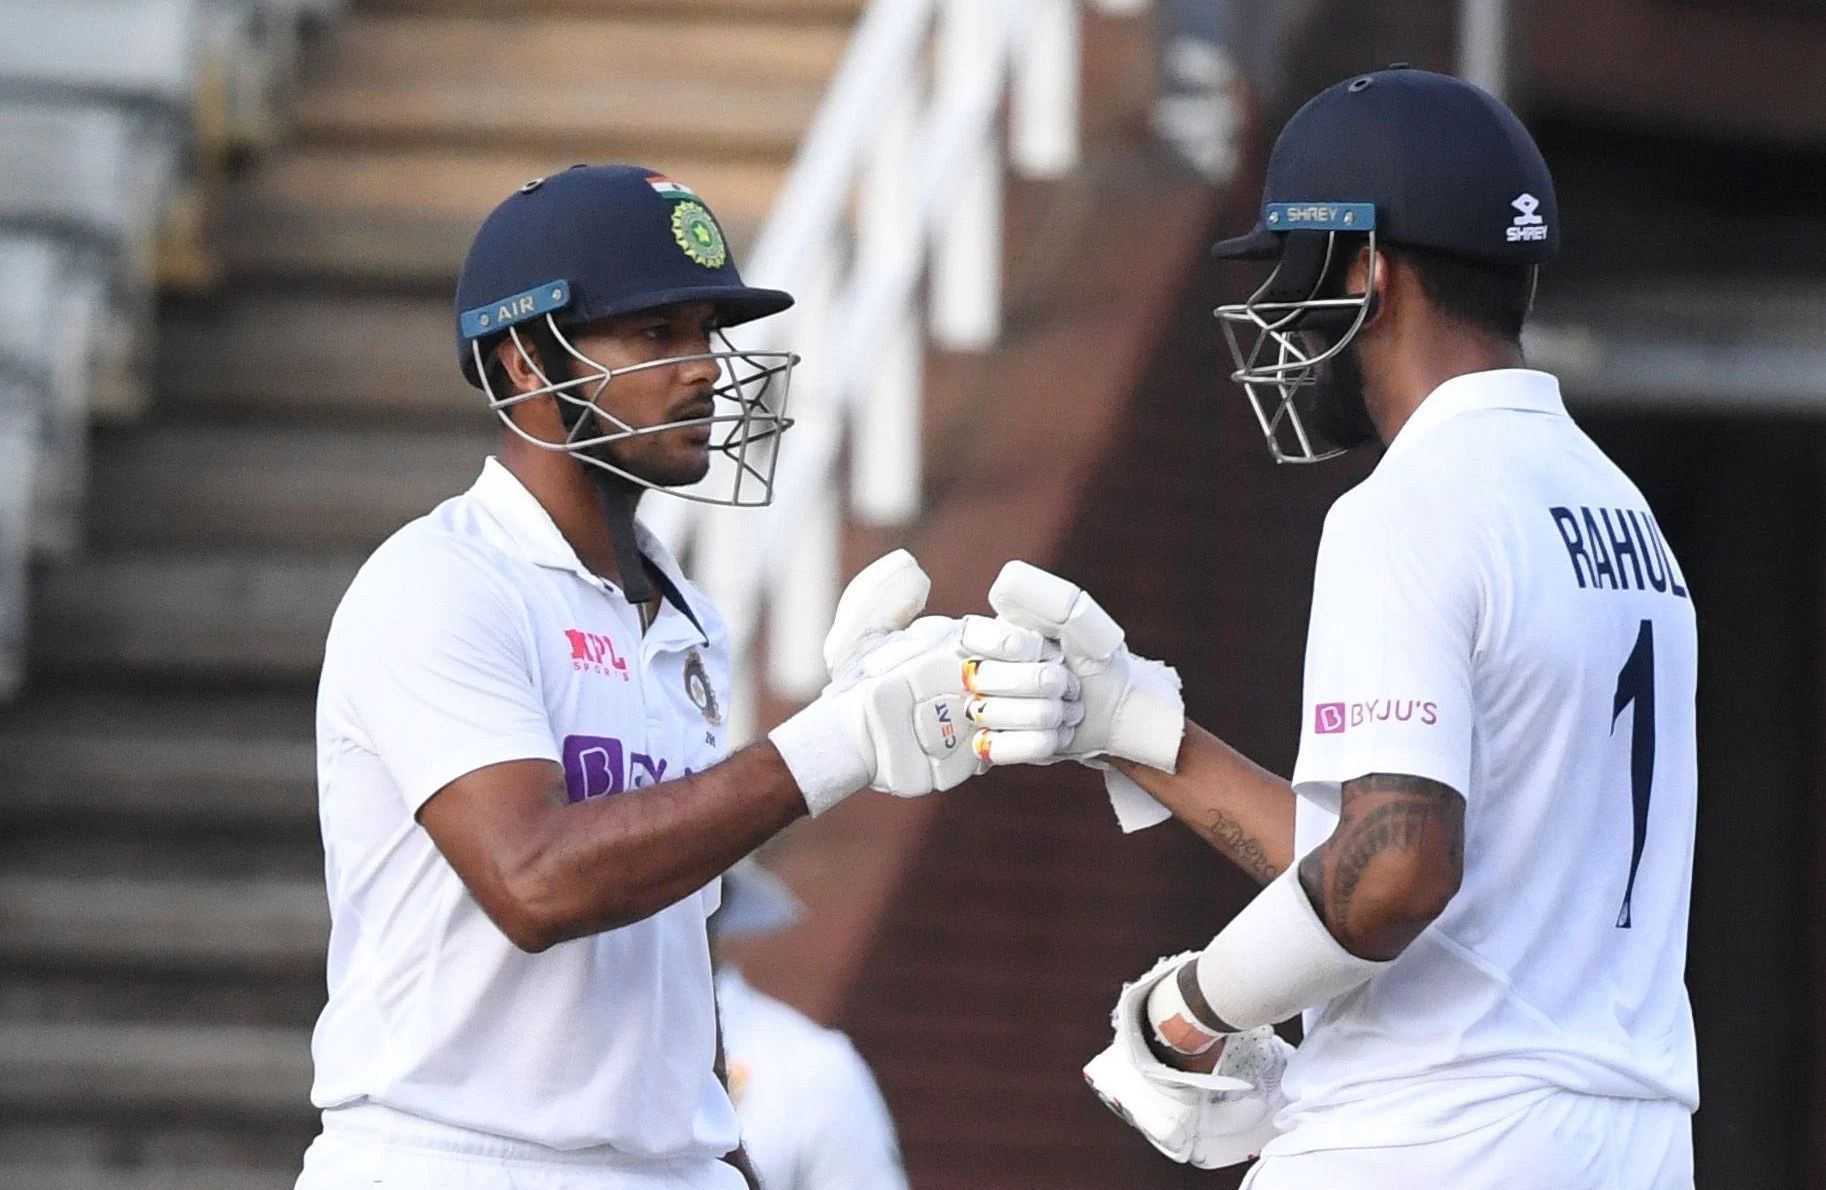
x: 670, y: 189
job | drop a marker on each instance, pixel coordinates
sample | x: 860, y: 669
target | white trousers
x: 367, y: 1147
x: 1565, y: 1141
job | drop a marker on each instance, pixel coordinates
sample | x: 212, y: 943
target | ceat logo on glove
x: 947, y: 730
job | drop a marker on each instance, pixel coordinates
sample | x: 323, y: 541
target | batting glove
x: 919, y: 706
x: 1207, y: 1120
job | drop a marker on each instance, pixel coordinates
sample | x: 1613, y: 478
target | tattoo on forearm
x: 1244, y: 849
x: 1380, y: 815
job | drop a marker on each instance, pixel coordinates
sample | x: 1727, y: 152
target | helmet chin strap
x: 618, y: 516
x: 611, y: 497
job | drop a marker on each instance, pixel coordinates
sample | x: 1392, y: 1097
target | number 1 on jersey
x: 1636, y: 684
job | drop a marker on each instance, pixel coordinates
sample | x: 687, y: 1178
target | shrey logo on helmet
x: 1527, y: 225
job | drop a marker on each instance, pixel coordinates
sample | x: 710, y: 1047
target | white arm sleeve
x: 436, y: 669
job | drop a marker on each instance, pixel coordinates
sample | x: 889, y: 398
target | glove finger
x: 1000, y: 640
x: 884, y: 596
x: 1017, y: 747
x: 1033, y: 598
x: 1021, y: 714
x: 1020, y: 679
x: 1090, y: 635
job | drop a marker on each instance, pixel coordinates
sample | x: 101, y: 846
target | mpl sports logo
x: 1331, y: 718
x: 592, y: 652
x: 1527, y: 225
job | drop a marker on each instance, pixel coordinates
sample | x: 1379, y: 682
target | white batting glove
x: 1207, y: 1120
x: 923, y: 705
x: 1132, y: 706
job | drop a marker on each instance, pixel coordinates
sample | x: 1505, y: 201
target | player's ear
x: 520, y: 363
x: 1374, y: 269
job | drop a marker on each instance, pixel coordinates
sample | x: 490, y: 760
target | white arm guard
x: 1276, y: 958
x: 1207, y: 1120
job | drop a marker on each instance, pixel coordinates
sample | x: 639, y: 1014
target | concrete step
x: 216, y: 617
x: 101, y: 1177
x: 161, y: 925
x: 299, y: 355
x: 239, y: 1072
x: 602, y: 87
x: 775, y: 11
x: 178, y: 762
x: 211, y: 485
x: 406, y: 51
x: 405, y: 215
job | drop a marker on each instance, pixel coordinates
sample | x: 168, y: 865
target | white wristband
x: 1172, y: 1022
x: 1275, y: 958
x: 816, y: 745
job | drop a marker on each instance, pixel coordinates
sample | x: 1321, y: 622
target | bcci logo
x: 1527, y: 225
x: 699, y: 690
x: 696, y: 231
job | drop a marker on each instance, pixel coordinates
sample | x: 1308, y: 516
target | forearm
x: 613, y: 860
x: 1236, y: 805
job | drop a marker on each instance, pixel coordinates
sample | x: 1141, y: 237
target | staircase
x: 161, y: 909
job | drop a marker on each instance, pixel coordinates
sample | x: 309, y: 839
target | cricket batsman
x: 525, y: 785
x: 1476, y: 883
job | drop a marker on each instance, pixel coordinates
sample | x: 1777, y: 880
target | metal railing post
x: 885, y: 466
x: 803, y: 594
x: 1483, y: 44
x: 967, y: 267
x: 1044, y: 107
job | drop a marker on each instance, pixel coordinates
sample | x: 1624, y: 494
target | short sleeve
x: 1389, y: 651
x: 435, y: 667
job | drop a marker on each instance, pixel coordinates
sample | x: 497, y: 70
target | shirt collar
x: 1502, y: 388
x: 534, y: 533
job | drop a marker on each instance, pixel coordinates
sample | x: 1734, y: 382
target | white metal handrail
x: 898, y: 180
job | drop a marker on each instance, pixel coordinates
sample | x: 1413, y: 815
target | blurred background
x: 229, y: 232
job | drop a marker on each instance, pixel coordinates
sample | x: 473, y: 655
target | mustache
x: 692, y: 408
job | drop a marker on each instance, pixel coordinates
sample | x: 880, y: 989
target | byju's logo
x: 1330, y: 718
x: 1527, y: 225
x: 592, y: 652
x: 596, y: 766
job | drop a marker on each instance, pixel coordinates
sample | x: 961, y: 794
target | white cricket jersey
x: 472, y: 637
x: 812, y: 1116
x: 1496, y: 609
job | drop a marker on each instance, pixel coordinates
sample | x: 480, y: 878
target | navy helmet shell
x: 595, y: 241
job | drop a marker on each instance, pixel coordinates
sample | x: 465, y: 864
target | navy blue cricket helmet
x: 596, y: 241
x: 1444, y: 163
x: 1397, y: 156
x: 600, y: 240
